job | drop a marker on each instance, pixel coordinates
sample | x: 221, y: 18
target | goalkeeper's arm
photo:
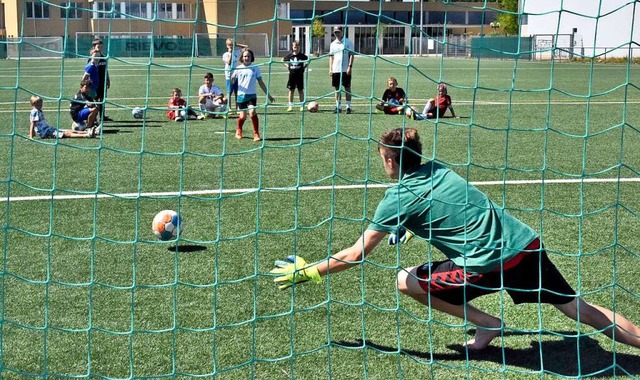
x: 353, y: 255
x: 295, y: 269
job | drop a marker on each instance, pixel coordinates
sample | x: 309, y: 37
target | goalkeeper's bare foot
x: 483, y: 337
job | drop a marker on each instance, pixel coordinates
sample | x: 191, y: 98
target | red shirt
x: 443, y: 102
x: 174, y: 103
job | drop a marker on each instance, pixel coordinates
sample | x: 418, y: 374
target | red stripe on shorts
x: 458, y: 277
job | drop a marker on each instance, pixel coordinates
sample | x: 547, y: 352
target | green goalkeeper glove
x: 402, y: 236
x: 294, y: 270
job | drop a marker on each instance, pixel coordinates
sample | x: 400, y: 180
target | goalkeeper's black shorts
x: 529, y: 277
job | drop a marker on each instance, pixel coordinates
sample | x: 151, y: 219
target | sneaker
x: 95, y: 131
x: 348, y: 110
x: 336, y: 110
x: 106, y: 118
x: 290, y: 109
x: 301, y: 109
x: 239, y: 135
x: 409, y: 113
x: 200, y: 117
x: 179, y: 118
x: 256, y: 137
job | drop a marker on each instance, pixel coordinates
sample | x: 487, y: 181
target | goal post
x: 35, y: 47
x: 213, y: 44
x: 556, y: 46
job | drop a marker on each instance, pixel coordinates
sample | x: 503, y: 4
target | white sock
x: 348, y: 104
x: 427, y: 108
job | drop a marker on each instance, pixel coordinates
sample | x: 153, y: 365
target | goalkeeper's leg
x: 613, y: 325
x: 412, y: 282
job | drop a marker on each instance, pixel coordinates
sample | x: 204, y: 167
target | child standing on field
x: 104, y: 83
x: 231, y: 58
x: 177, y: 107
x: 246, y: 75
x: 296, y: 62
x: 393, y: 98
x: 210, y: 97
x: 38, y: 125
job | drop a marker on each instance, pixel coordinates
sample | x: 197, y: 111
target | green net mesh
x: 547, y: 127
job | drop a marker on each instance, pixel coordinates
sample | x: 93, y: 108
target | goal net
x: 213, y: 45
x: 88, y: 292
x: 556, y: 46
x: 34, y: 47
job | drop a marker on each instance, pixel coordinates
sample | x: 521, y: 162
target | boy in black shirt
x: 84, y: 110
x: 296, y: 62
x: 393, y: 98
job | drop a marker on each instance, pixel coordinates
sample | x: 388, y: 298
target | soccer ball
x: 313, y: 106
x: 137, y: 113
x: 166, y: 225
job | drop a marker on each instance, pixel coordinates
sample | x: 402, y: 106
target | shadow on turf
x: 289, y: 138
x: 186, y: 248
x: 553, y: 356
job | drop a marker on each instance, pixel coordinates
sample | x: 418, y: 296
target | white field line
x: 301, y: 188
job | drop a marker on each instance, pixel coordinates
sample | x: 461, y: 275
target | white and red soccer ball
x: 166, y: 225
x: 313, y: 106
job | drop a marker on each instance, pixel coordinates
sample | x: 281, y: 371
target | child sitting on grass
x: 38, y: 125
x: 178, y: 109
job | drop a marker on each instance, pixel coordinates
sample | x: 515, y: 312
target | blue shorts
x: 83, y: 115
x: 232, y: 88
x: 49, y: 132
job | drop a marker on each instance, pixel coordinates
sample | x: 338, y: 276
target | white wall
x: 602, y: 24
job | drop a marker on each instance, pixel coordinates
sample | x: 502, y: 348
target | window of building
x: 354, y: 17
x: 102, y: 9
x: 481, y: 18
x: 36, y: 9
x: 182, y: 11
x: 459, y: 18
x: 333, y: 18
x: 164, y: 10
x: 73, y: 12
x: 136, y: 9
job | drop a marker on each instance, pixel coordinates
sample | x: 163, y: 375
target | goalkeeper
x: 487, y: 249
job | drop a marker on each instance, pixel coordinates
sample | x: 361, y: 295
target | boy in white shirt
x: 340, y: 65
x: 210, y: 97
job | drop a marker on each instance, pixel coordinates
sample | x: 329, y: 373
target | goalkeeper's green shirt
x: 440, y: 206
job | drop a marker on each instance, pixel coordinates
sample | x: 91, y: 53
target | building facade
x: 380, y: 27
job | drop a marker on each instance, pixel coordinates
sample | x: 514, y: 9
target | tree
x: 317, y: 32
x: 509, y: 21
